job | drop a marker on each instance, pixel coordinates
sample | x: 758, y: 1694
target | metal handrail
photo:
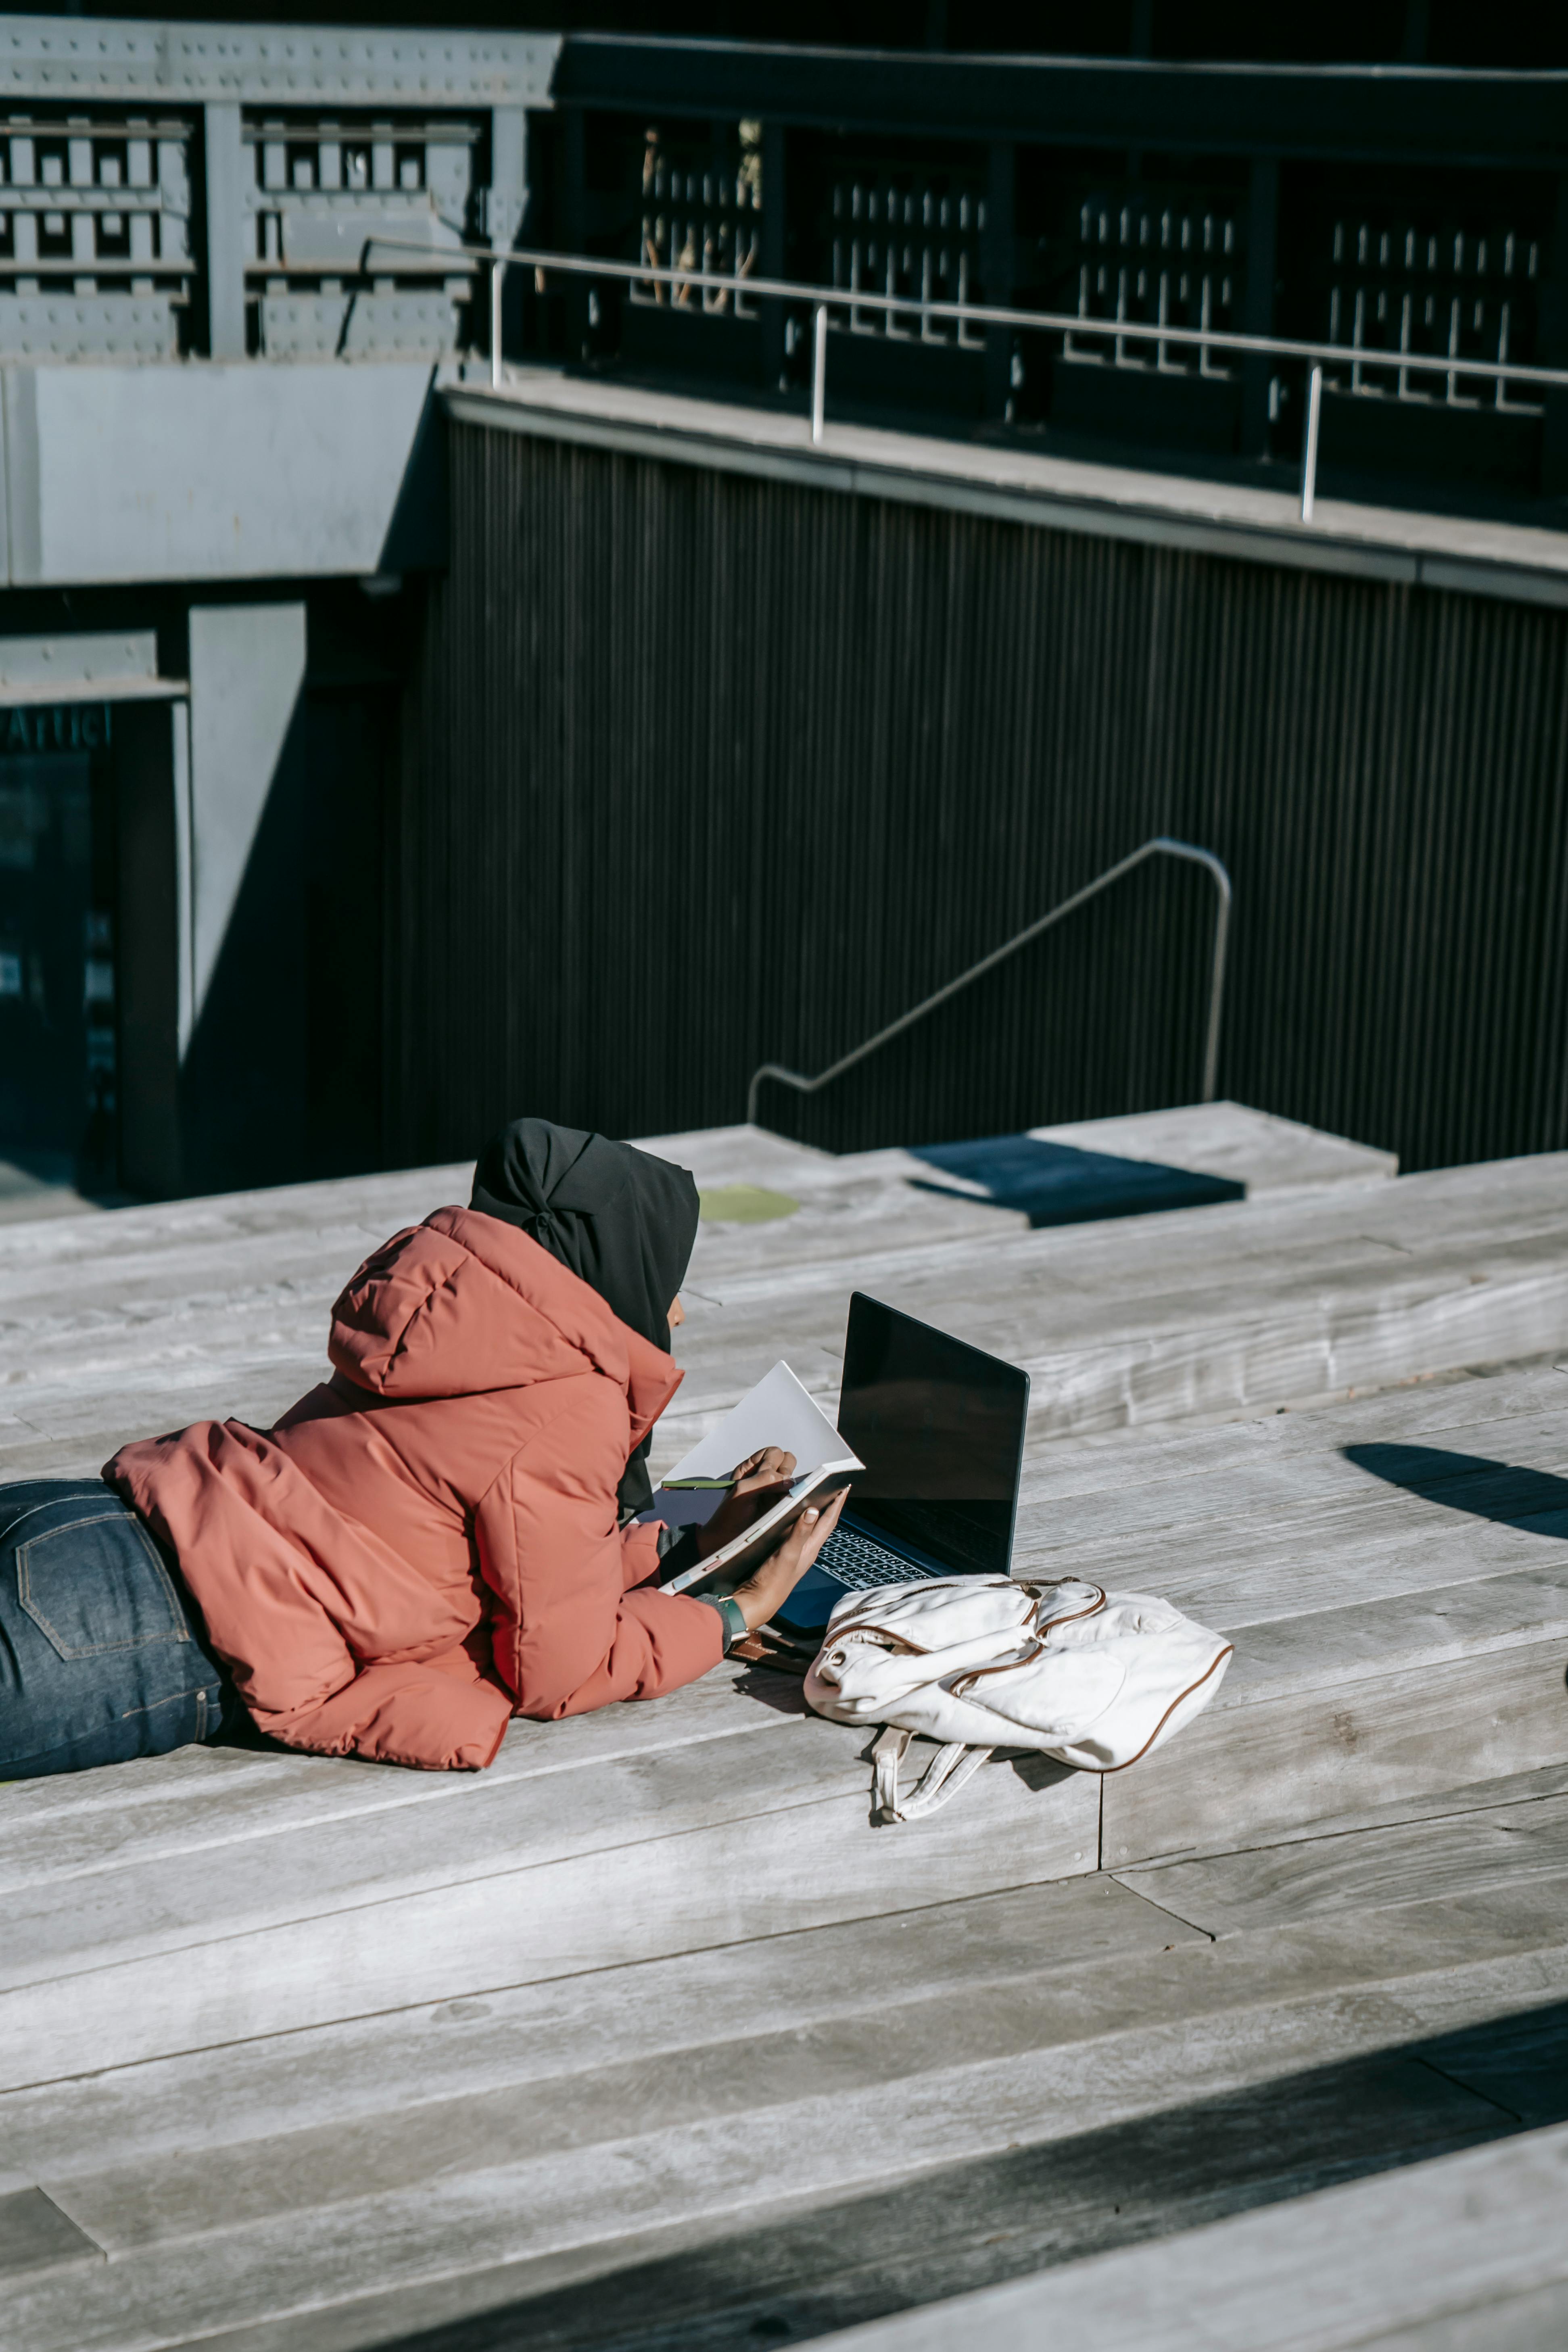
x: 1160, y: 846
x: 843, y: 298
x: 824, y: 299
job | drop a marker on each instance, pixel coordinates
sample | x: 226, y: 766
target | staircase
x: 646, y: 2038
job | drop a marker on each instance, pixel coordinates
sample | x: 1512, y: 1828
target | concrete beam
x: 247, y: 670
x: 86, y: 58
x: 218, y: 472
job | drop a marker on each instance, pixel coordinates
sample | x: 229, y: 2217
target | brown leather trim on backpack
x: 1010, y: 1665
x: 1228, y: 1652
x: 878, y: 1637
x: 1073, y: 1615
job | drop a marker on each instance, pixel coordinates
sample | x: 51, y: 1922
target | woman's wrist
x: 736, y: 1623
x: 760, y: 1601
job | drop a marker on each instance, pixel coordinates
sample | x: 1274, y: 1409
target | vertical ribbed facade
x: 702, y: 771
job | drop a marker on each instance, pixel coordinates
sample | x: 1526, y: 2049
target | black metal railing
x: 1160, y: 846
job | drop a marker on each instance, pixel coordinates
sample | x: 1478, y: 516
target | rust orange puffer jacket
x: 428, y: 1543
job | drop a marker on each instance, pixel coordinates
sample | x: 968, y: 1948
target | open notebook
x: 777, y: 1411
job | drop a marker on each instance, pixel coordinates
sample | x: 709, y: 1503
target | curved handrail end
x: 1161, y: 843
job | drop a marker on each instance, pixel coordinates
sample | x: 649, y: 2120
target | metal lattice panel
x: 1448, y: 289
x: 914, y: 235
x: 701, y: 209
x: 341, y: 213
x: 1158, y: 259
x: 96, y: 208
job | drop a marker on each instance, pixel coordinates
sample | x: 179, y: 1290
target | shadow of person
x: 1507, y: 1492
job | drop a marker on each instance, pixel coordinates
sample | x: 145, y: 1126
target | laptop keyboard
x: 856, y: 1562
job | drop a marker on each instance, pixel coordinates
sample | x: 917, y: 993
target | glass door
x: 56, y: 969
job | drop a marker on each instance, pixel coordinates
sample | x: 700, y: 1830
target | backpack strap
x: 946, y: 1773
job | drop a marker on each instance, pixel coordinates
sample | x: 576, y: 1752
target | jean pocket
x: 96, y: 1585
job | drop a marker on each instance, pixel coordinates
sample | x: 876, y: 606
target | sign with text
x: 35, y: 727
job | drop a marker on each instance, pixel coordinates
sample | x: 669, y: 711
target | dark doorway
x: 58, y: 1080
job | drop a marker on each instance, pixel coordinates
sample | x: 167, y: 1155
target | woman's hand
x: 756, y: 1485
x: 764, y: 1594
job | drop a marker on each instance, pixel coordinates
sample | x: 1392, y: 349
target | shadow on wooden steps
x: 795, y: 2276
x: 576, y: 2128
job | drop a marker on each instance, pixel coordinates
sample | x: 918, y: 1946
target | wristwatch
x: 735, y: 1626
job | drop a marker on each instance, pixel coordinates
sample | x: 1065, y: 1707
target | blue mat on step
x: 1059, y: 1184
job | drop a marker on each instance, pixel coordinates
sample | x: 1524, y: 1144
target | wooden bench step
x: 909, y: 2074
x: 1466, y: 2252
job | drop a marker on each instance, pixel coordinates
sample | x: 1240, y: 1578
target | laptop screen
x: 940, y: 1427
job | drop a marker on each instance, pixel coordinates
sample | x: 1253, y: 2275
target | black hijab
x: 623, y: 1221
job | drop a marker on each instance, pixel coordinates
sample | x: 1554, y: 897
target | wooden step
x: 1390, y: 1643
x: 139, y: 1320
x: 318, y: 2053
x: 193, y: 1920
x: 1195, y: 1156
x: 1389, y: 1646
x: 519, y: 2142
x: 1466, y: 2253
x: 1300, y: 1298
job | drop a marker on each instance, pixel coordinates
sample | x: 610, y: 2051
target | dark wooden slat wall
x: 702, y: 771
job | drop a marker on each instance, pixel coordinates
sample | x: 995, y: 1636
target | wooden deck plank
x: 1309, y: 1560
x: 1323, y: 1513
x: 1438, y: 1805
x: 816, y: 2118
x: 481, y: 2312
x: 199, y: 1798
x: 909, y: 1985
x: 1153, y: 1332
x: 1241, y: 1468
x: 1438, y: 1627
x: 1469, y: 2250
x: 1516, y: 1207
x: 35, y: 2236
x: 150, y: 1972
x: 787, y: 2274
x: 1167, y: 1454
x: 181, y: 2197
x: 1273, y: 1886
x: 199, y: 1804
x: 1257, y: 1149
x: 1118, y: 1327
x: 1520, y: 2063
x: 1287, y: 1764
x: 791, y: 2275
x: 1279, y: 1660
x: 266, y: 2086
x: 133, y: 1904
x: 1245, y: 1776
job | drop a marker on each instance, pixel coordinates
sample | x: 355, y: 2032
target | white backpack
x: 1092, y: 1678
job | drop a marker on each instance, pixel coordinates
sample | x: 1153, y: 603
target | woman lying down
x: 440, y: 1536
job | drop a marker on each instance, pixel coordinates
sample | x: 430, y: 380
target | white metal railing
x: 1160, y: 846
x: 823, y: 300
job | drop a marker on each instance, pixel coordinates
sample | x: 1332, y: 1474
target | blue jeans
x: 102, y: 1656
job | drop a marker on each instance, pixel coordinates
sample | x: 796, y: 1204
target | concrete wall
x: 213, y: 472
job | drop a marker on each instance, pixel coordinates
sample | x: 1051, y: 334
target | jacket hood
x: 464, y: 1303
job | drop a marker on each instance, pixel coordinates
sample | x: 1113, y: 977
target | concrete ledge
x: 1259, y: 526
x: 206, y: 471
